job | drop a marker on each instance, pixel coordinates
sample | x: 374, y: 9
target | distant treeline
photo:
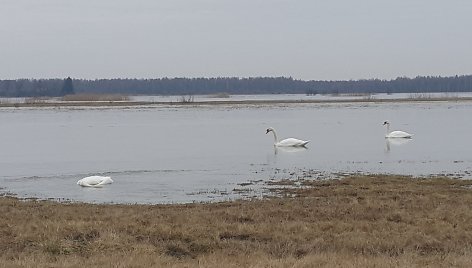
x: 256, y: 85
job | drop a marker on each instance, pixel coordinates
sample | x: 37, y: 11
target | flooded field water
x: 177, y: 154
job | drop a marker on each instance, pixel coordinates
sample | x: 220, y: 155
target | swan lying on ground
x: 290, y: 142
x: 396, y: 133
x: 94, y: 181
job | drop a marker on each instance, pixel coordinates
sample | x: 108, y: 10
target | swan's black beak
x: 385, y: 123
x: 267, y: 131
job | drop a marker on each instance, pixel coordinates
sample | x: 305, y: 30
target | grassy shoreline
x: 125, y: 103
x: 359, y: 221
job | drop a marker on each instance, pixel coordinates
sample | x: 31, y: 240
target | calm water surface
x: 186, y: 154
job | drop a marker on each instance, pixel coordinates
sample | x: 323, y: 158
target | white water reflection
x: 289, y: 150
x: 184, y: 154
x: 395, y: 142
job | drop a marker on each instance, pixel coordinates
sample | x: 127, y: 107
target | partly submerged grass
x: 360, y: 221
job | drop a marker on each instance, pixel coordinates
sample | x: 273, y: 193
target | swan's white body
x: 94, y: 181
x: 396, y: 133
x: 290, y: 142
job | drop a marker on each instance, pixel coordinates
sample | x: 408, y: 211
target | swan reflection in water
x: 289, y: 150
x: 395, y: 142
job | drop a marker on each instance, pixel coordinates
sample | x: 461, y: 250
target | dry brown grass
x: 361, y: 221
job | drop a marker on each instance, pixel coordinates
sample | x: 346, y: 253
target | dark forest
x: 233, y: 85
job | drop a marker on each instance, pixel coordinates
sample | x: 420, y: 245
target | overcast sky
x: 305, y: 39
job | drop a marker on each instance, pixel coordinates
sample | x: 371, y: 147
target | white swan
x: 396, y: 133
x: 94, y: 181
x: 290, y: 142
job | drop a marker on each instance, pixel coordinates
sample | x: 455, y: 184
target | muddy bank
x: 225, y: 102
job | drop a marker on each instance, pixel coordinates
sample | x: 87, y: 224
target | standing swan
x: 290, y: 142
x: 94, y: 181
x: 396, y: 133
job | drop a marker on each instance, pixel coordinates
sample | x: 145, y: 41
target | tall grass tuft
x: 186, y: 99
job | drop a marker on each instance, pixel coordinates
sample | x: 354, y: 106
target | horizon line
x: 242, y: 77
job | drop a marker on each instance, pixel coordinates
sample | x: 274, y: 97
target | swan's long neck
x: 388, y: 128
x: 275, y: 137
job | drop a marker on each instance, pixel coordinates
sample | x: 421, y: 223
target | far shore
x: 225, y: 102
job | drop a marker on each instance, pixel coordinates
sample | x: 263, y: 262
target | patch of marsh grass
x: 358, y: 221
